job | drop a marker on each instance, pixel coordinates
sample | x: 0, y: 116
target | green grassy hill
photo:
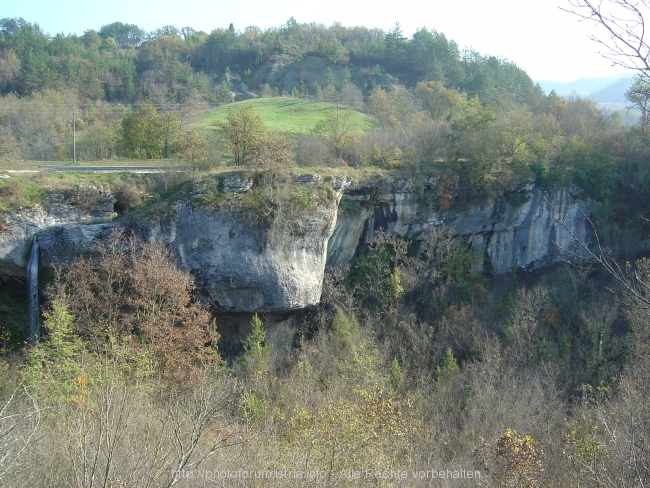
x: 284, y: 114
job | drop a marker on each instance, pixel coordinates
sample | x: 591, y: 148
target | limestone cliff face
x: 85, y: 204
x: 503, y: 235
x: 19, y: 226
x: 242, y: 264
x: 239, y: 263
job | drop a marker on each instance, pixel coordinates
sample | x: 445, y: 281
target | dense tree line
x: 97, y: 79
x: 122, y: 63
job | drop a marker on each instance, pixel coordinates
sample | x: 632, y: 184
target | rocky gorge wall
x: 242, y: 265
x: 502, y: 235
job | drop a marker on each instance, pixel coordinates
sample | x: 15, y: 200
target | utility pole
x: 74, y: 139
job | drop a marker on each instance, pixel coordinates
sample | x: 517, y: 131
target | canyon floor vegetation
x: 407, y: 364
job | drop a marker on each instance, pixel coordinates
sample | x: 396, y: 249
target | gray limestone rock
x: 20, y: 225
x: 308, y: 179
x: 502, y: 235
x: 244, y: 263
x: 237, y: 185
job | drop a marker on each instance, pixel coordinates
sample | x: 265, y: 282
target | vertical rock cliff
x: 244, y: 262
x: 502, y: 234
x: 243, y: 265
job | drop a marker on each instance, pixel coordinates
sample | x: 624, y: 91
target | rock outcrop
x: 233, y: 186
x: 19, y: 226
x: 243, y: 264
x: 240, y: 261
x: 503, y: 235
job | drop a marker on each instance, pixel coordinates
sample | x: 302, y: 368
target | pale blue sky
x: 538, y: 36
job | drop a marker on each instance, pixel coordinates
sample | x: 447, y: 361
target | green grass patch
x: 284, y: 114
x: 11, y: 166
x: 349, y: 207
x: 25, y: 189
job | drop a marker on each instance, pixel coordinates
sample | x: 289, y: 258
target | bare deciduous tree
x: 120, y: 434
x: 20, y: 418
x: 633, y: 279
x: 624, y: 42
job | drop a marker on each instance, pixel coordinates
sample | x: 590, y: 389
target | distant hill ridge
x: 121, y: 63
x: 601, y: 89
x: 614, y: 93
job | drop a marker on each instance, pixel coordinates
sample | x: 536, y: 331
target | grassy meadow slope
x: 284, y: 114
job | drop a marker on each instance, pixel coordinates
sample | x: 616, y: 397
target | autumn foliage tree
x: 244, y: 133
x: 142, y: 133
x: 336, y: 128
x: 132, y: 293
x: 514, y: 461
x: 440, y: 103
x: 191, y: 147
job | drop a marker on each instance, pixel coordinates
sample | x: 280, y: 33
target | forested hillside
x: 413, y: 367
x: 102, y: 75
x: 121, y: 63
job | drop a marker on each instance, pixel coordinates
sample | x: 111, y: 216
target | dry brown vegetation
x: 408, y: 365
x: 131, y: 292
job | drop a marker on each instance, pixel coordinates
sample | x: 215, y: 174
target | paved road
x: 130, y: 169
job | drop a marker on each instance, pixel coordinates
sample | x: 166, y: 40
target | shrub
x: 90, y: 198
x: 126, y: 197
x: 134, y: 294
x: 12, y: 191
x: 313, y: 151
x: 513, y: 461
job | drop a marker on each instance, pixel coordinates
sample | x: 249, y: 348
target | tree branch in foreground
x: 624, y: 21
x: 631, y: 277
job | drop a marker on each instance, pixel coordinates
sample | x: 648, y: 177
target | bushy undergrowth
x: 409, y: 364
